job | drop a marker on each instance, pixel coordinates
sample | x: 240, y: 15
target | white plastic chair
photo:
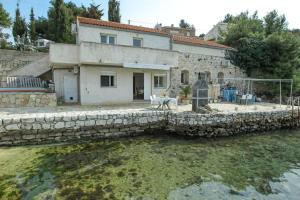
x: 175, y: 101
x: 154, y: 100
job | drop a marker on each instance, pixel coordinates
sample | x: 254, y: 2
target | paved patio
x: 137, y: 106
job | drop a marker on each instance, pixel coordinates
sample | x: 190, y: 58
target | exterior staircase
x: 17, y: 63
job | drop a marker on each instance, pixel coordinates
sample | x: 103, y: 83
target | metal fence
x: 23, y: 82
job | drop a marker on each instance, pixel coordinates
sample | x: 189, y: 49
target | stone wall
x: 93, y: 125
x: 27, y: 99
x: 215, y: 125
x: 197, y: 63
x: 59, y: 127
x: 11, y: 60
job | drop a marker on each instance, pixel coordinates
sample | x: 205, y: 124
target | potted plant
x: 185, y: 92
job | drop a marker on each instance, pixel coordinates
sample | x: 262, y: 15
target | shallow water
x: 161, y: 167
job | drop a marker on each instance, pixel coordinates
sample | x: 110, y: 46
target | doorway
x: 70, y: 89
x: 138, y: 86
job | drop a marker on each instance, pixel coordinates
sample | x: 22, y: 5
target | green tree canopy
x: 32, y: 27
x: 93, y: 11
x: 263, y: 47
x: 5, y: 20
x: 60, y: 18
x: 114, y: 11
x: 274, y: 23
x: 19, y: 25
x: 184, y: 24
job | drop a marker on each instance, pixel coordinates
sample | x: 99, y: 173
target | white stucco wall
x: 93, y: 94
x: 92, y: 53
x: 64, y: 54
x: 198, y: 50
x: 88, y: 33
x: 58, y: 76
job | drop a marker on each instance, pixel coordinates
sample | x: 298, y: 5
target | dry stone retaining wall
x: 15, y: 100
x: 60, y: 127
x: 70, y: 126
x: 215, y: 125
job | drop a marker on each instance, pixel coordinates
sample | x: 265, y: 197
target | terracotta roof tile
x: 116, y: 25
x: 197, y: 41
x: 178, y: 39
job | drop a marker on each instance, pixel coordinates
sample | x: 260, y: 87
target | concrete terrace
x: 6, y: 113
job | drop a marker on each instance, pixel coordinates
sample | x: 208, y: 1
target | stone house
x: 172, y: 30
x: 120, y: 63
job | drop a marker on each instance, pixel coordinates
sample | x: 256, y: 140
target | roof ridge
x: 92, y: 21
x: 193, y: 40
x: 197, y: 41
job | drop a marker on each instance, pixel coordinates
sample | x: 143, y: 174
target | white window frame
x: 107, y: 38
x: 135, y: 38
x: 109, y: 74
x: 164, y: 77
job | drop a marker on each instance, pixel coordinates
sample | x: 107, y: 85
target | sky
x: 202, y: 14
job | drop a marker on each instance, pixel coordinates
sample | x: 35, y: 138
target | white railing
x: 22, y: 82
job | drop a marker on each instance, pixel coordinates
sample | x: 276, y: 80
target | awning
x: 146, y: 66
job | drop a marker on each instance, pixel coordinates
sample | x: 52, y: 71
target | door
x: 70, y: 89
x: 147, y: 86
x: 138, y: 86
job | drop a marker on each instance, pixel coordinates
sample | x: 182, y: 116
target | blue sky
x: 202, y: 14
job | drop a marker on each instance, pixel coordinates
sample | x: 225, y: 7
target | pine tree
x: 5, y: 20
x: 32, y: 27
x: 184, y: 24
x: 19, y: 26
x: 114, y: 11
x: 93, y: 11
x: 59, y: 22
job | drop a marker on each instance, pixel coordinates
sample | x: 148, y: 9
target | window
x: 185, y: 77
x: 204, y: 76
x: 220, y: 77
x: 208, y: 76
x: 108, y: 80
x: 137, y: 42
x: 160, y: 81
x: 201, y: 76
x: 108, y: 39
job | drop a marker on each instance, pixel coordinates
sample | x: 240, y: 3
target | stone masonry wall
x: 11, y: 60
x: 93, y: 125
x: 196, y: 63
x: 15, y: 100
x: 60, y: 127
x: 215, y: 125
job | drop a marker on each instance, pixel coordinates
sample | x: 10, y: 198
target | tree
x: 228, y: 18
x: 114, y: 11
x: 274, y: 23
x: 32, y: 27
x: 202, y: 35
x: 5, y: 20
x: 42, y: 28
x: 19, y: 26
x: 184, y: 24
x: 263, y: 47
x: 60, y: 18
x: 93, y: 11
